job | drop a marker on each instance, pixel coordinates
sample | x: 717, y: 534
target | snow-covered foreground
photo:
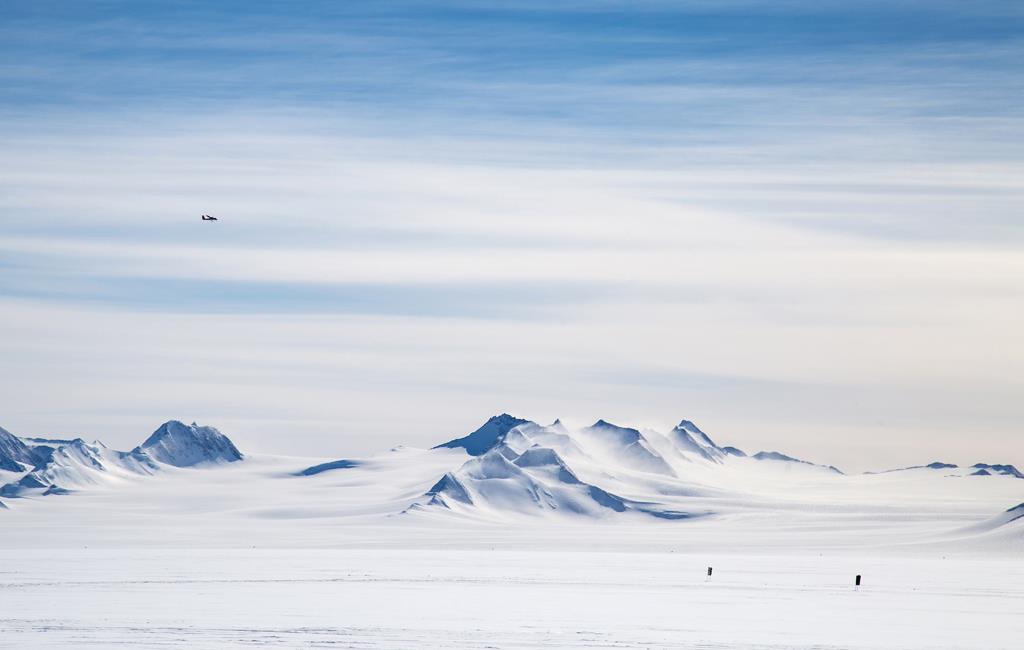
x: 254, y: 555
x: 407, y: 598
x: 516, y: 536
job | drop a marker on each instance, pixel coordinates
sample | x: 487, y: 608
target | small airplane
x: 207, y: 217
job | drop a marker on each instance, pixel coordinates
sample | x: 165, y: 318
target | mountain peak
x: 487, y: 436
x: 688, y: 437
x: 176, y: 443
x: 775, y: 455
x: 687, y: 425
x: 606, y: 429
x: 605, y: 424
x: 984, y: 469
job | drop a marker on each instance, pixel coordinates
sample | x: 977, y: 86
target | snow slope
x: 78, y: 464
x: 1004, y: 520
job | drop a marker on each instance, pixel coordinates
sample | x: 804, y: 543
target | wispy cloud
x: 785, y: 218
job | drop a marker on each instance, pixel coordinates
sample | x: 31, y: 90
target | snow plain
x: 256, y: 554
x: 502, y: 598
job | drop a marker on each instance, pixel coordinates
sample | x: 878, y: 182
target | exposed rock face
x: 15, y: 455
x: 487, y: 436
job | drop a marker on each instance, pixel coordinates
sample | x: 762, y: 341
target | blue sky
x: 795, y: 223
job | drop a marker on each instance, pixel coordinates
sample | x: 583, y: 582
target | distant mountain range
x: 52, y: 466
x: 520, y: 465
x: 509, y: 465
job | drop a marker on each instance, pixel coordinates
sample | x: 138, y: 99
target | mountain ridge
x: 507, y: 466
x: 60, y: 466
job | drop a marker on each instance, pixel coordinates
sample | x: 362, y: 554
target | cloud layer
x: 800, y: 226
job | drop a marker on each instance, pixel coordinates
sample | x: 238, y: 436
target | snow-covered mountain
x: 49, y: 467
x: 531, y: 468
x: 181, y: 445
x: 518, y: 466
x: 75, y: 465
x: 985, y: 469
x: 951, y: 469
x: 509, y: 467
x: 775, y: 455
x: 688, y: 437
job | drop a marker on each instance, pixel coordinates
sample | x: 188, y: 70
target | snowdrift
x: 1011, y: 518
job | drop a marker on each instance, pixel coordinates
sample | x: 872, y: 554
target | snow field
x: 409, y: 598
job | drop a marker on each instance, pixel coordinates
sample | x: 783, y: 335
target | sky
x: 799, y: 224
